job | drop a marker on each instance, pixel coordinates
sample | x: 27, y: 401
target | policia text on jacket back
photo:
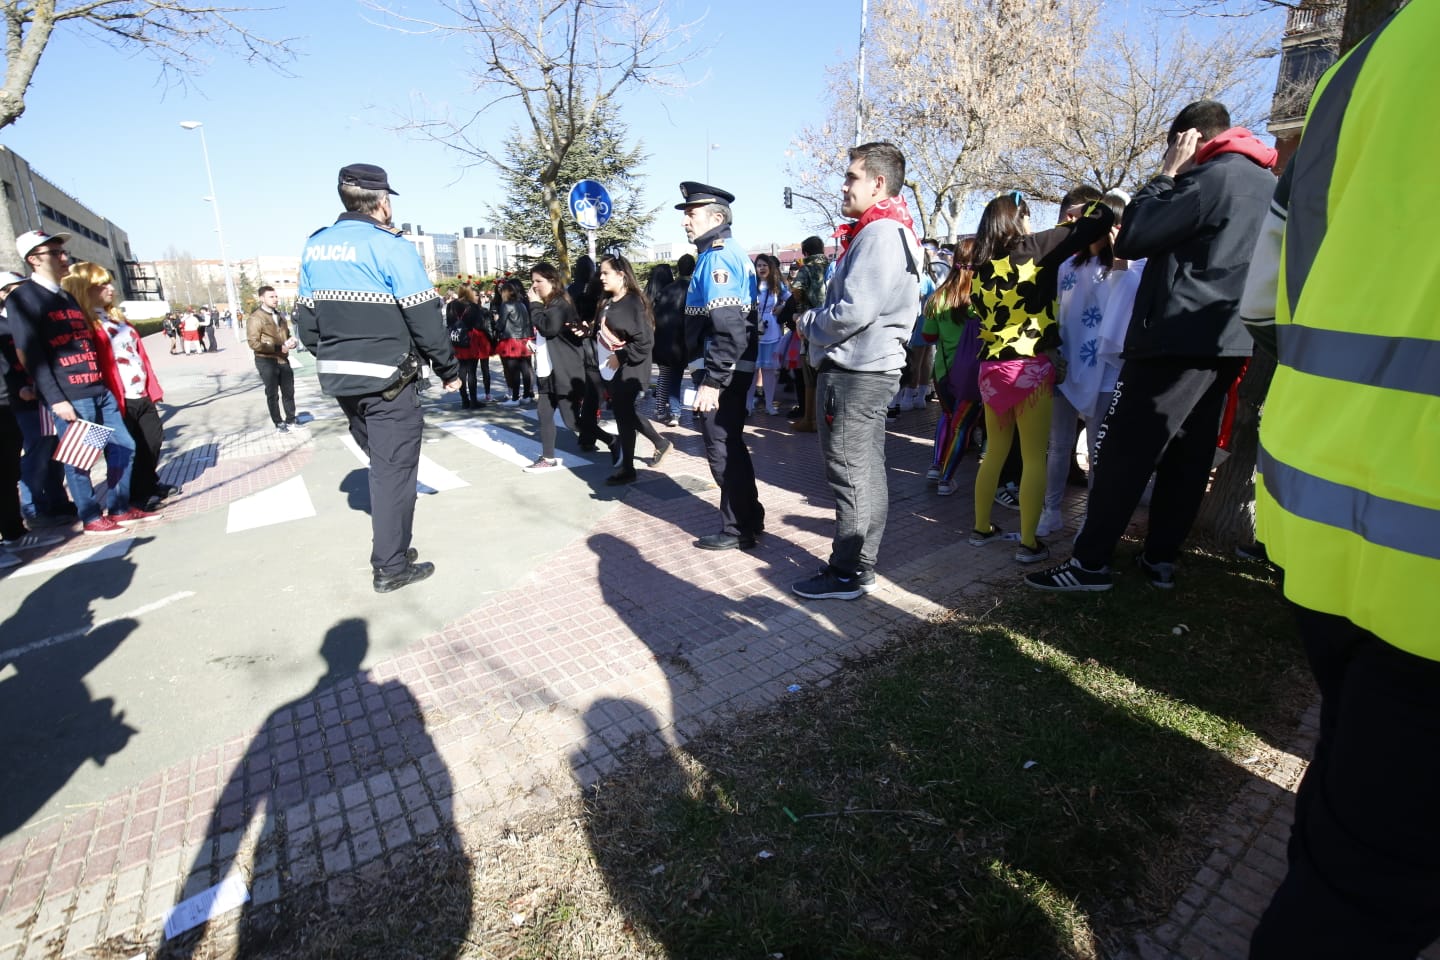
x: 370, y: 315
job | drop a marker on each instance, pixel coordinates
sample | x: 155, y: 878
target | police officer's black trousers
x: 1364, y: 854
x: 730, y: 465
x: 389, y: 433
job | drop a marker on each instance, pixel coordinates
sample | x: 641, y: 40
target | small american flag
x: 82, y: 444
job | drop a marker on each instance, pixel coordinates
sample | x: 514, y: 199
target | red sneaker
x: 133, y: 516
x: 103, y: 524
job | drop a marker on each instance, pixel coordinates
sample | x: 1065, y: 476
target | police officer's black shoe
x: 728, y: 541
x: 410, y: 573
x: 621, y: 477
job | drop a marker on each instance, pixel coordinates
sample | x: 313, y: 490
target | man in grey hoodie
x: 857, y: 345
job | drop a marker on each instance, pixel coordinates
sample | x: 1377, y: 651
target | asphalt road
x: 190, y: 631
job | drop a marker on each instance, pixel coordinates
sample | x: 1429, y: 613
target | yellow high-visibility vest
x: 1348, y: 498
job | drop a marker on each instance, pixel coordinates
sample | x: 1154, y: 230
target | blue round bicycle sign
x: 590, y: 204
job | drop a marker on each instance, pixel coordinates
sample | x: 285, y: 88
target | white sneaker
x: 1051, y: 521
x: 945, y: 489
x: 932, y: 475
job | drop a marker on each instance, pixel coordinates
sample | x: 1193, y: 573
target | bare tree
x: 816, y: 165
x: 561, y: 61
x: 1114, y: 105
x: 954, y: 85
x: 175, y: 33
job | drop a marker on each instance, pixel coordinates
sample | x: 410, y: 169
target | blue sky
x: 101, y: 126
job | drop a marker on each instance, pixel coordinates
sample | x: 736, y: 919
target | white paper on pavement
x: 205, y: 905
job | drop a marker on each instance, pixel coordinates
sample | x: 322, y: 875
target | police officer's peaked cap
x: 697, y: 193
x: 367, y: 176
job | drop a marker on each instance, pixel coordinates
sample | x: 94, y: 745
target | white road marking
x: 512, y: 447
x: 531, y: 414
x: 104, y: 551
x: 433, y: 477
x: 77, y: 634
x: 281, y: 503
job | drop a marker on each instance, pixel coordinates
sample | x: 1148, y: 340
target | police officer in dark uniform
x: 368, y: 312
x: 721, y: 326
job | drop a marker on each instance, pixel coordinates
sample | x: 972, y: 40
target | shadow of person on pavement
x: 622, y: 727
x: 356, y: 487
x: 338, y: 819
x: 52, y: 724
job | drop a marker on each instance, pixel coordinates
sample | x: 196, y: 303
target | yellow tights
x: 1032, y: 416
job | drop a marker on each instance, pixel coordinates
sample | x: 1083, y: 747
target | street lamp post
x: 860, y: 78
x: 709, y: 148
x: 219, y: 231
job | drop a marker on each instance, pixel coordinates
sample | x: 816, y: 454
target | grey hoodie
x: 870, y: 303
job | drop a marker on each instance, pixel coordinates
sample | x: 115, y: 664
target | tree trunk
x: 1227, y: 515
x: 9, y: 256
x: 556, y: 212
x: 1362, y: 17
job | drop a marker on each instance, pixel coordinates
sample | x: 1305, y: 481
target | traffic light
x: 788, y: 202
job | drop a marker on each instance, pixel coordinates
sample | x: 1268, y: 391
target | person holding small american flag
x: 61, y: 350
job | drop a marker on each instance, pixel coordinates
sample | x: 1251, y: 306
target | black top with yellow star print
x: 1015, y: 294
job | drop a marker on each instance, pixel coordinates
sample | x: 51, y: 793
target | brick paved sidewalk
x: 535, y: 689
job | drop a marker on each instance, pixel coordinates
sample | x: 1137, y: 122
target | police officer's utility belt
x: 409, y: 370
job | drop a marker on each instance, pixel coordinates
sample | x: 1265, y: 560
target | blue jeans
x: 42, y: 482
x: 119, y: 455
x: 851, y: 420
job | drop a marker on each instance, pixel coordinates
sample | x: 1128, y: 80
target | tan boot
x: 806, y: 423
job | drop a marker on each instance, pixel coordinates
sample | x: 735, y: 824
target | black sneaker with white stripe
x: 1070, y: 577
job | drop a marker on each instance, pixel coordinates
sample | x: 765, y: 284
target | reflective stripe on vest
x: 1393, y: 524
x: 1395, y: 363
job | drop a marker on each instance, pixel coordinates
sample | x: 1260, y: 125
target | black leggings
x: 571, y: 407
x: 623, y: 397
x: 519, y: 373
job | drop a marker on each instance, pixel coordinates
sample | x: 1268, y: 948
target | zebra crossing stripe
x: 508, y: 445
x: 105, y: 551
x: 433, y: 477
x: 281, y: 503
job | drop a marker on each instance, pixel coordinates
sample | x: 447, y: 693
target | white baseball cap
x: 8, y: 279
x: 26, y: 243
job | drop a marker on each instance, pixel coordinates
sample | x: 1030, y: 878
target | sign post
x: 590, y: 206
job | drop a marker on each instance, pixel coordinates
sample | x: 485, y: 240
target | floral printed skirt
x: 1008, y: 383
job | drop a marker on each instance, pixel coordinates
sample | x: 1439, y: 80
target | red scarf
x: 1241, y: 141
x: 891, y: 208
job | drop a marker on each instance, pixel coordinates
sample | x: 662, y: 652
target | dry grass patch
x: 1032, y: 777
